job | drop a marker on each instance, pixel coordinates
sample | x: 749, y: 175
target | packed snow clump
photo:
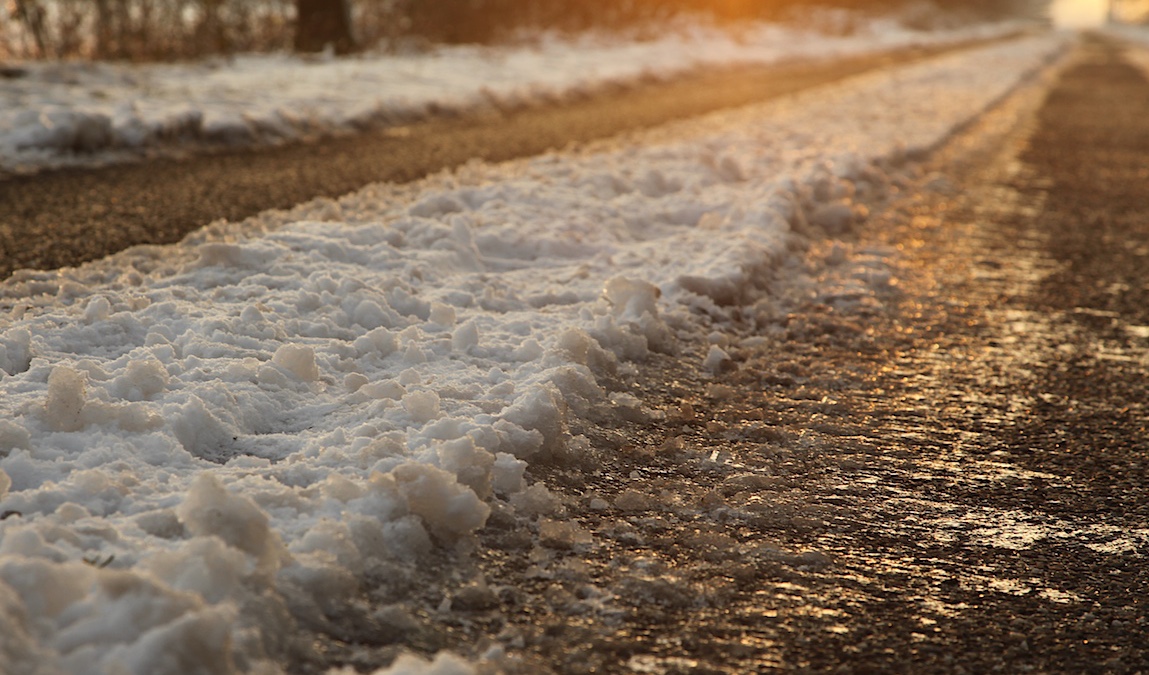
x: 209, y: 451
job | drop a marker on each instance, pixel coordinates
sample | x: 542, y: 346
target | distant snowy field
x: 74, y: 113
x: 257, y: 420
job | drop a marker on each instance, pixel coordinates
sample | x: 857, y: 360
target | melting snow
x: 195, y: 438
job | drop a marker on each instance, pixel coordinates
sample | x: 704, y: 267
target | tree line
x: 175, y: 29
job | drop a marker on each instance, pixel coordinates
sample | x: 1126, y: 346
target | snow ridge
x: 66, y: 113
x: 206, y: 447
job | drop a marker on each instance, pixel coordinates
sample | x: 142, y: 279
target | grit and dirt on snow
x: 209, y: 449
x: 60, y: 114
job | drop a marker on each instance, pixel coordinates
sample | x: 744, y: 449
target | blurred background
x: 184, y: 29
x: 150, y: 30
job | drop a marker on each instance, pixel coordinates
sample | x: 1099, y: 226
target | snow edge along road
x: 64, y: 114
x: 47, y: 220
x: 226, y: 440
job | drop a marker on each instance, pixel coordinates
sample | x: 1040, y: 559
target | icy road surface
x: 207, y: 449
x: 70, y: 113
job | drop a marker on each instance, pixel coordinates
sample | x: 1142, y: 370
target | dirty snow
x: 86, y: 113
x: 207, y: 448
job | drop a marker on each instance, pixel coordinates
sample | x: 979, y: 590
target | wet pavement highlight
x: 944, y: 474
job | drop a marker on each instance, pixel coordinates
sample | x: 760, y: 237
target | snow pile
x: 211, y: 448
x: 71, y: 113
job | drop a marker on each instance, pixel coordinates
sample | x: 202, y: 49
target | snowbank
x: 72, y: 113
x: 209, y: 448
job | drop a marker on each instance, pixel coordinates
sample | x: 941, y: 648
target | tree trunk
x: 212, y: 36
x: 31, y: 15
x: 103, y: 29
x: 323, y: 22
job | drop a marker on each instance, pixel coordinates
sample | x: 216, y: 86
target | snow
x: 204, y: 446
x: 444, y: 663
x: 88, y: 113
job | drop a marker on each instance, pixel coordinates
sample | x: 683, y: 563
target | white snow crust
x: 250, y: 421
x: 88, y: 113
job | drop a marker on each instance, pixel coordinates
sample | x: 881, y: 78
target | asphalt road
x: 949, y: 474
x: 945, y: 475
x: 64, y: 218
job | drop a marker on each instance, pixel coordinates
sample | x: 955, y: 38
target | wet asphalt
x: 950, y: 475
x: 946, y: 476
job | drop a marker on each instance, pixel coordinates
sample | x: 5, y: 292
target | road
x: 938, y: 463
x: 64, y: 218
x: 946, y: 474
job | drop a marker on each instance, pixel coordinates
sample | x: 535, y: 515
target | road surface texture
x: 63, y: 218
x: 945, y: 471
x: 938, y: 465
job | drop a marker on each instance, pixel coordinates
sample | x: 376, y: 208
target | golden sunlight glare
x: 1079, y: 13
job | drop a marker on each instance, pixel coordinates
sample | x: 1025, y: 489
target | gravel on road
x: 936, y: 463
x: 943, y: 473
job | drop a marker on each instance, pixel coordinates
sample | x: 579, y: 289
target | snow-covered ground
x: 204, y: 445
x: 77, y: 113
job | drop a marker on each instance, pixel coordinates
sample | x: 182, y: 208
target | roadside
x: 937, y: 464
x: 68, y: 217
